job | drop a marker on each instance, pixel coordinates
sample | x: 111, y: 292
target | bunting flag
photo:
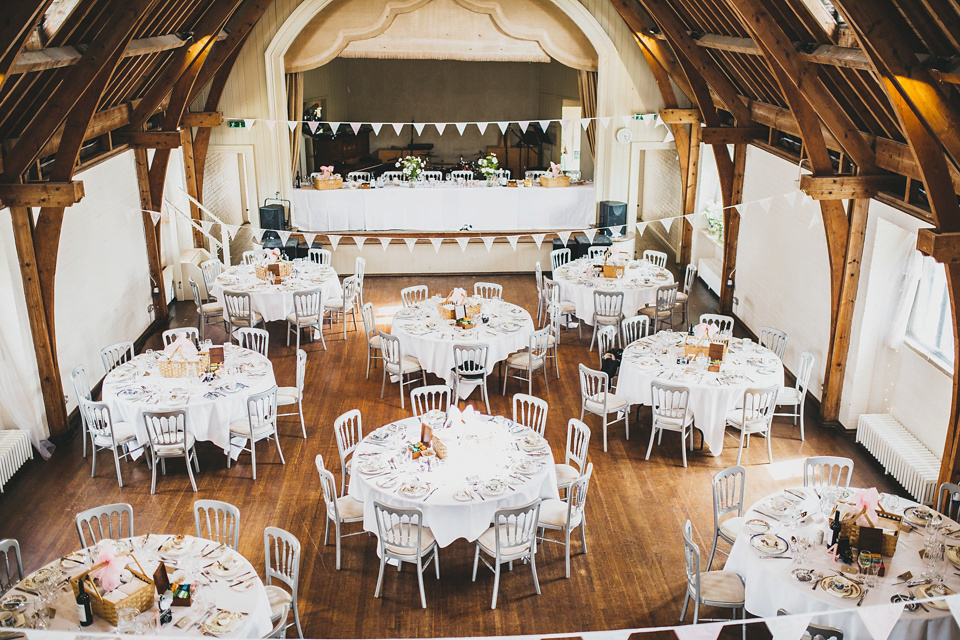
x: 590, y: 233
x: 249, y: 122
x: 564, y: 123
x: 436, y: 242
x: 625, y: 120
x: 397, y: 126
x: 564, y: 236
x: 271, y: 124
x: 418, y: 127
x: 440, y: 127
x: 640, y: 227
x: 155, y: 216
x: 523, y: 125
x: 461, y: 127
x: 880, y: 620
x: 658, y: 121
x: 788, y: 627
x: 584, y: 123
x: 410, y: 242
x: 666, y: 224
x: 293, y: 124
x: 538, y: 238
x: 309, y: 238
x: 334, y: 127
x: 503, y: 126
x: 205, y: 225
x: 513, y: 241
x: 356, y: 127
x: 312, y: 125
x: 544, y: 125
x: 359, y: 240
x: 797, y: 197
x: 765, y: 204
x: 334, y: 241
x: 488, y: 242
x: 669, y: 137
x: 483, y: 127
x: 953, y: 603
x: 231, y: 230
x: 385, y: 242
x: 376, y: 127
x: 738, y: 208
x: 284, y: 236
x: 260, y: 233
x: 605, y: 121
x: 814, y: 218
x: 462, y: 241
x: 618, y: 230
x: 699, y: 631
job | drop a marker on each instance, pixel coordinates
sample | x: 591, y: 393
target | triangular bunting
x: 813, y: 220
x: 270, y: 124
x: 334, y: 241
x: 788, y: 627
x: 356, y: 127
x: 410, y: 242
x: 397, y: 126
x: 462, y: 241
x: 488, y: 242
x: 584, y: 123
x: 669, y: 137
x: 590, y: 233
x: 293, y: 124
x: 699, y: 631
x: 523, y: 125
x: 249, y: 122
x: 440, y: 127
x: 436, y: 242
x: 418, y: 127
x: 538, y: 238
x: 640, y: 228
x: 309, y: 238
x: 312, y: 125
x: 797, y: 197
x: 513, y: 241
x: 205, y: 225
x: 666, y: 224
x: 284, y: 236
x: 260, y: 233
x: 503, y: 126
x: 359, y: 240
x: 765, y: 204
x: 385, y: 242
x: 880, y: 620
x: 461, y: 126
x: 625, y: 120
x: 544, y: 124
x: 739, y: 208
x: 564, y: 236
x: 605, y: 121
x: 155, y: 216
x: 658, y: 122
x: 564, y: 123
x: 376, y: 127
x: 483, y: 127
x: 231, y: 230
x: 953, y: 603
x: 617, y: 231
x: 334, y: 127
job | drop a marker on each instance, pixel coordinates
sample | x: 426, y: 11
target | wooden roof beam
x: 942, y: 247
x: 732, y: 135
x: 41, y: 194
x: 681, y: 116
x: 202, y: 119
x: 16, y: 23
x: 843, y: 187
x: 148, y: 139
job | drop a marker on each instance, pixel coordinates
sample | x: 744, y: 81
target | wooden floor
x: 632, y: 576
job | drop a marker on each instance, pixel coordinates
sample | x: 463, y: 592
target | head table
x: 782, y: 584
x: 430, y: 338
x: 137, y: 386
x: 492, y: 463
x: 639, y: 284
x: 275, y: 301
x: 229, y: 600
x: 712, y: 395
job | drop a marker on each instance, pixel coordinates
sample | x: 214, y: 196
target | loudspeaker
x: 273, y: 216
x: 612, y: 214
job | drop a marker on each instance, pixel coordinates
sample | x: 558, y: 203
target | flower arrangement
x: 412, y: 167
x: 714, y: 216
x: 705, y: 331
x: 273, y: 255
x: 489, y: 166
x: 457, y: 296
x: 616, y: 257
x: 555, y: 170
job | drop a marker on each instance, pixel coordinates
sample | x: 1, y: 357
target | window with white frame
x: 930, y: 323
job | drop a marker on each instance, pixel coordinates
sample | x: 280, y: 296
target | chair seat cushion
x: 349, y: 508
x: 523, y: 359
x: 488, y: 542
x: 211, y: 307
x: 614, y: 403
x: 334, y: 304
x: 243, y: 322
x: 722, y: 587
x: 287, y: 395
x: 652, y: 312
x: 175, y: 448
x: 426, y: 539
x: 732, y: 527
x: 788, y: 396
x: 122, y: 432
x: 566, y: 474
x: 553, y: 513
x: 278, y: 598
x: 374, y: 341
x: 681, y: 297
x: 606, y: 320
x: 754, y: 425
x: 409, y: 364
x: 551, y: 340
x: 675, y: 424
x: 241, y: 427
x: 304, y: 320
x: 568, y: 307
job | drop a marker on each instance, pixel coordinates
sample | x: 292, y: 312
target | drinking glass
x: 864, y: 562
x: 127, y: 620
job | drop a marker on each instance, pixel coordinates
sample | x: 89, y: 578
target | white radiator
x: 15, y: 449
x: 901, y: 454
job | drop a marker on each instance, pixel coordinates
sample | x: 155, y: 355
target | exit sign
x: 236, y: 124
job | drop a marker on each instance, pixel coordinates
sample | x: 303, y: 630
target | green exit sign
x: 236, y: 124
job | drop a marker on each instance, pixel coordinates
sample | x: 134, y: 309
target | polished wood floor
x: 631, y: 577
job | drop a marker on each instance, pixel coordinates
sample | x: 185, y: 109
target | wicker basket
x: 613, y: 270
x: 283, y: 268
x: 321, y: 184
x: 173, y: 368
x: 559, y: 181
x: 852, y: 530
x: 472, y: 309
x: 141, y: 599
x: 693, y: 348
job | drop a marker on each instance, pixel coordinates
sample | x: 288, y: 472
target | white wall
x: 103, y: 284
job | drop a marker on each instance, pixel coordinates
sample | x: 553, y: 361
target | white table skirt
x: 275, y: 302
x: 575, y: 288
x: 253, y: 601
x: 208, y: 419
x: 448, y: 518
x: 710, y: 402
x: 434, y: 350
x: 770, y: 585
x: 444, y: 208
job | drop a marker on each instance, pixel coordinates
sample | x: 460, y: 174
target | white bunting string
x: 155, y: 216
x: 564, y: 236
x: 788, y: 627
x: 385, y: 242
x: 334, y: 241
x: 397, y: 126
x: 523, y: 125
x: 410, y: 243
x: 544, y: 124
x: 309, y: 238
x: 418, y: 127
x: 483, y: 127
x: 461, y: 126
x: 284, y: 236
x: 503, y: 126
x: 205, y: 225
x: 249, y: 122
x: 359, y: 240
x: 880, y: 620
x: 312, y: 125
x: 488, y: 242
x: 699, y: 631
x: 440, y: 127
x: 513, y: 241
x: 334, y: 127
x: 356, y: 127
x: 463, y: 241
x: 436, y: 242
x: 538, y: 238
x: 376, y: 127
x: 293, y: 124
x: 591, y: 234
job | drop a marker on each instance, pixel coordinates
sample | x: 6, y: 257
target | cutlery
x: 862, y: 596
x: 242, y: 579
x: 794, y: 493
x: 816, y: 581
x: 203, y: 617
x: 764, y: 513
x: 31, y: 592
x: 776, y: 557
x: 219, y: 546
x: 430, y: 494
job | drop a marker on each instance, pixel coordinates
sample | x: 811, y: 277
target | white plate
x: 222, y: 622
x: 174, y: 548
x: 414, y: 489
x: 529, y: 467
x: 370, y: 467
x: 494, y: 488
x: 228, y: 567
x: 463, y: 495
x: 510, y: 327
x: 762, y: 543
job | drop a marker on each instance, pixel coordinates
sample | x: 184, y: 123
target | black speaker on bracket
x: 272, y: 216
x: 612, y: 214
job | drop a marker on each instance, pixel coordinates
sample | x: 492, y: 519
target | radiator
x: 15, y: 449
x: 904, y: 457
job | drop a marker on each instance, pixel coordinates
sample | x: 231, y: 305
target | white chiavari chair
x: 470, y: 370
x: 240, y: 312
x: 340, y: 509
x: 206, y: 311
x: 170, y: 335
x: 307, y: 313
x: 488, y: 290
x: 634, y: 328
x: 260, y: 424
x: 723, y: 323
x: 607, y: 312
x: 683, y: 297
x: 399, y: 365
x: 723, y: 589
x: 827, y: 471
x: 170, y: 437
x: 433, y: 397
x: 106, y: 522
x: 558, y: 258
x: 596, y: 398
x: 372, y: 336
x: 116, y: 355
x: 670, y: 411
x: 412, y: 296
x: 403, y: 538
x: 107, y: 435
x: 530, y: 411
x: 796, y: 396
x: 254, y: 339
x: 218, y: 521
x: 281, y: 555
x: 531, y: 359
x: 81, y: 389
x: 513, y: 536
x: 728, y: 488
x: 348, y: 431
x: 290, y: 396
x: 575, y: 462
x: 661, y: 311
x: 320, y: 256
x: 656, y: 258
x: 773, y: 339
x: 755, y: 417
x: 340, y: 307
x: 567, y: 515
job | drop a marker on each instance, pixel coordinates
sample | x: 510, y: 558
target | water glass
x: 127, y: 620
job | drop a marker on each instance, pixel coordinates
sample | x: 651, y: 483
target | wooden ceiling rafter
x: 15, y: 26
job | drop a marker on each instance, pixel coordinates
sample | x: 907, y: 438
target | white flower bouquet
x: 412, y: 167
x: 489, y: 166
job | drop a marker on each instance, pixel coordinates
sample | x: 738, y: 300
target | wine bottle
x: 84, y: 612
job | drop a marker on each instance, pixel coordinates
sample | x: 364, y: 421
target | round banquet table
x: 137, y: 386
x: 275, y: 301
x: 238, y: 590
x: 455, y: 497
x: 770, y: 584
x: 639, y: 284
x: 712, y: 395
x: 429, y: 338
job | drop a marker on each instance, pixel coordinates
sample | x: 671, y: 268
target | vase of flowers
x: 488, y: 167
x: 412, y: 168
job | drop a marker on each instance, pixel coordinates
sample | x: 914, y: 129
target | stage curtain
x: 587, y: 80
x: 295, y: 112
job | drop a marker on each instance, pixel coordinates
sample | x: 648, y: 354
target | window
x: 931, y: 326
x: 570, y: 136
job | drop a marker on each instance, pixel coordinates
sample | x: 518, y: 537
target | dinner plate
x: 118, y: 375
x: 769, y: 544
x: 222, y: 622
x: 176, y: 546
x: 370, y: 467
x: 12, y: 619
x: 920, y: 515
x: 231, y: 387
x: 494, y: 488
x: 414, y: 489
x: 517, y: 311
x: 510, y: 326
x: 132, y: 393
x: 935, y: 591
x: 462, y: 495
x: 841, y: 587
x: 757, y: 526
x: 953, y: 555
x: 41, y: 577
x: 380, y: 435
x: 228, y: 567
x: 13, y: 602
x: 529, y: 467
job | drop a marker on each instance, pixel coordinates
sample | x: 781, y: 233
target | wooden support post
x: 731, y: 227
x: 190, y: 172
x: 151, y: 234
x: 50, y: 385
x: 950, y: 462
x: 681, y: 116
x: 690, y: 193
x: 843, y: 322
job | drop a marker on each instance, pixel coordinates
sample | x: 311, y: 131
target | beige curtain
x: 587, y: 81
x: 295, y: 112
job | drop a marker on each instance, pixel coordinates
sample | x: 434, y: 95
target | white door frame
x: 249, y: 168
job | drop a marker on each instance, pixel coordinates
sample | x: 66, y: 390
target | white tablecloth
x: 430, y: 339
x: 208, y: 418
x: 275, y: 302
x: 770, y: 585
x: 251, y: 601
x: 444, y: 208
x: 712, y: 395
x: 481, y: 450
x: 639, y: 285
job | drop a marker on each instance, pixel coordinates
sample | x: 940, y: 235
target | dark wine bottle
x: 84, y: 612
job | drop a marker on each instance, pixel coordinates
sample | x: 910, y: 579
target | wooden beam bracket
x: 844, y: 187
x: 148, y: 139
x: 732, y: 135
x: 202, y: 119
x: 680, y: 116
x: 42, y: 194
x: 941, y: 246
